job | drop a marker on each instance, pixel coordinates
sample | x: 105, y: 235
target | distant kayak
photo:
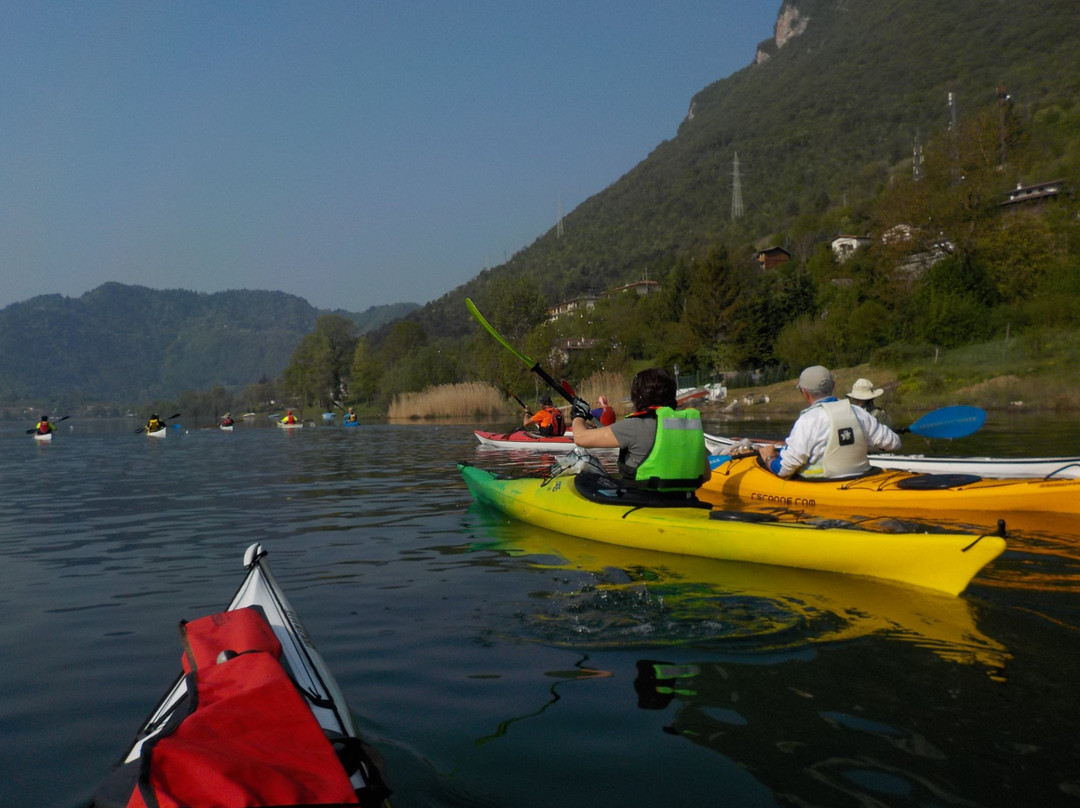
x: 350, y: 423
x: 297, y: 425
x: 225, y: 427
x: 160, y: 432
x: 43, y: 436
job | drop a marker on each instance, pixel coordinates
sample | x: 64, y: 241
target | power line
x: 736, y: 190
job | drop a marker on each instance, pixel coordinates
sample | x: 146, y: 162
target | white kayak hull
x: 1058, y: 468
x: 157, y: 433
x: 43, y: 437
x: 290, y: 426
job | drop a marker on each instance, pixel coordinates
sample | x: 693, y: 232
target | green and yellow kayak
x: 890, y: 492
x: 942, y: 561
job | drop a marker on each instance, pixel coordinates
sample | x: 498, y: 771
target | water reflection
x: 844, y: 731
x: 612, y: 596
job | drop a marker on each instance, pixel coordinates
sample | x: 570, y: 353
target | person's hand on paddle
x: 579, y: 408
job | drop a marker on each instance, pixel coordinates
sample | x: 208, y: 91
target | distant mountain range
x: 830, y: 111
x: 122, y: 343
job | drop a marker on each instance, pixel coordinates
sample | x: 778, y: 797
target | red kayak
x: 520, y: 439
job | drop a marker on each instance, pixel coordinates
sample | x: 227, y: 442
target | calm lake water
x: 495, y: 664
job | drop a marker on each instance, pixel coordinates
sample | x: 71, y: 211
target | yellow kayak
x: 943, y: 561
x: 890, y: 492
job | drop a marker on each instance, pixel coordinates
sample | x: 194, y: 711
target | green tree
x: 367, y: 371
x: 319, y: 367
x: 514, y: 308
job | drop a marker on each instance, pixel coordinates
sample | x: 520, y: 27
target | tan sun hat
x: 864, y: 390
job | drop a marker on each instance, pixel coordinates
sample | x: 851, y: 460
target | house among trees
x: 640, y: 287
x: 589, y: 301
x: 570, y: 306
x: 1030, y: 195
x: 844, y: 247
x: 772, y: 257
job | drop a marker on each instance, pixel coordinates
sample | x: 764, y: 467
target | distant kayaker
x: 289, y: 417
x: 227, y: 419
x: 863, y: 394
x: 44, y: 427
x: 155, y: 423
x: 603, y: 412
x: 659, y: 447
x: 350, y: 416
x: 830, y: 438
x: 548, y: 419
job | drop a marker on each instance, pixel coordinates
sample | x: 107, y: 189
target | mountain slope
x: 818, y: 125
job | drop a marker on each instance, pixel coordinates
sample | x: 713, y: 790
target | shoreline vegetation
x: 1035, y: 373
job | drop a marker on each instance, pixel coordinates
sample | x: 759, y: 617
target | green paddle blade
x: 563, y: 389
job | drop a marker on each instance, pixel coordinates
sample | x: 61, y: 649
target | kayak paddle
x: 563, y: 389
x: 508, y: 394
x: 948, y: 422
x: 58, y: 420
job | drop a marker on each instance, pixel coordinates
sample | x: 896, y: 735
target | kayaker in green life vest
x: 44, y: 427
x: 155, y: 423
x: 660, y: 448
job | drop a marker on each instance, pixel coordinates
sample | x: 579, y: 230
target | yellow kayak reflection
x: 773, y: 607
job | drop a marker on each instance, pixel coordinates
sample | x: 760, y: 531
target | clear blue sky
x: 351, y: 152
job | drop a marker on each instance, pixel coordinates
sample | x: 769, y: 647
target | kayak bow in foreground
x: 943, y: 561
x: 256, y: 719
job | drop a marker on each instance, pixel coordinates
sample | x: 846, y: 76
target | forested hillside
x: 122, y: 343
x: 826, y: 130
x: 819, y: 128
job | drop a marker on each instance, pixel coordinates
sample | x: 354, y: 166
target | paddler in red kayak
x: 548, y: 419
x: 603, y: 412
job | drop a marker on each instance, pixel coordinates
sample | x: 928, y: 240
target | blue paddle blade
x: 949, y: 422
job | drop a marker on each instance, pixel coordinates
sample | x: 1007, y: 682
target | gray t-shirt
x: 636, y: 437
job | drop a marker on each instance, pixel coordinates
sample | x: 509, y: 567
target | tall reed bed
x: 471, y: 399
x: 466, y: 400
x: 616, y: 386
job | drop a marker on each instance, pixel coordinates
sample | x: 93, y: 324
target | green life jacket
x: 677, y: 459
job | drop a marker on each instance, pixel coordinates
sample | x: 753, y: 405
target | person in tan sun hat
x: 863, y: 394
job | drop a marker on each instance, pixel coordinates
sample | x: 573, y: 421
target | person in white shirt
x: 831, y: 438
